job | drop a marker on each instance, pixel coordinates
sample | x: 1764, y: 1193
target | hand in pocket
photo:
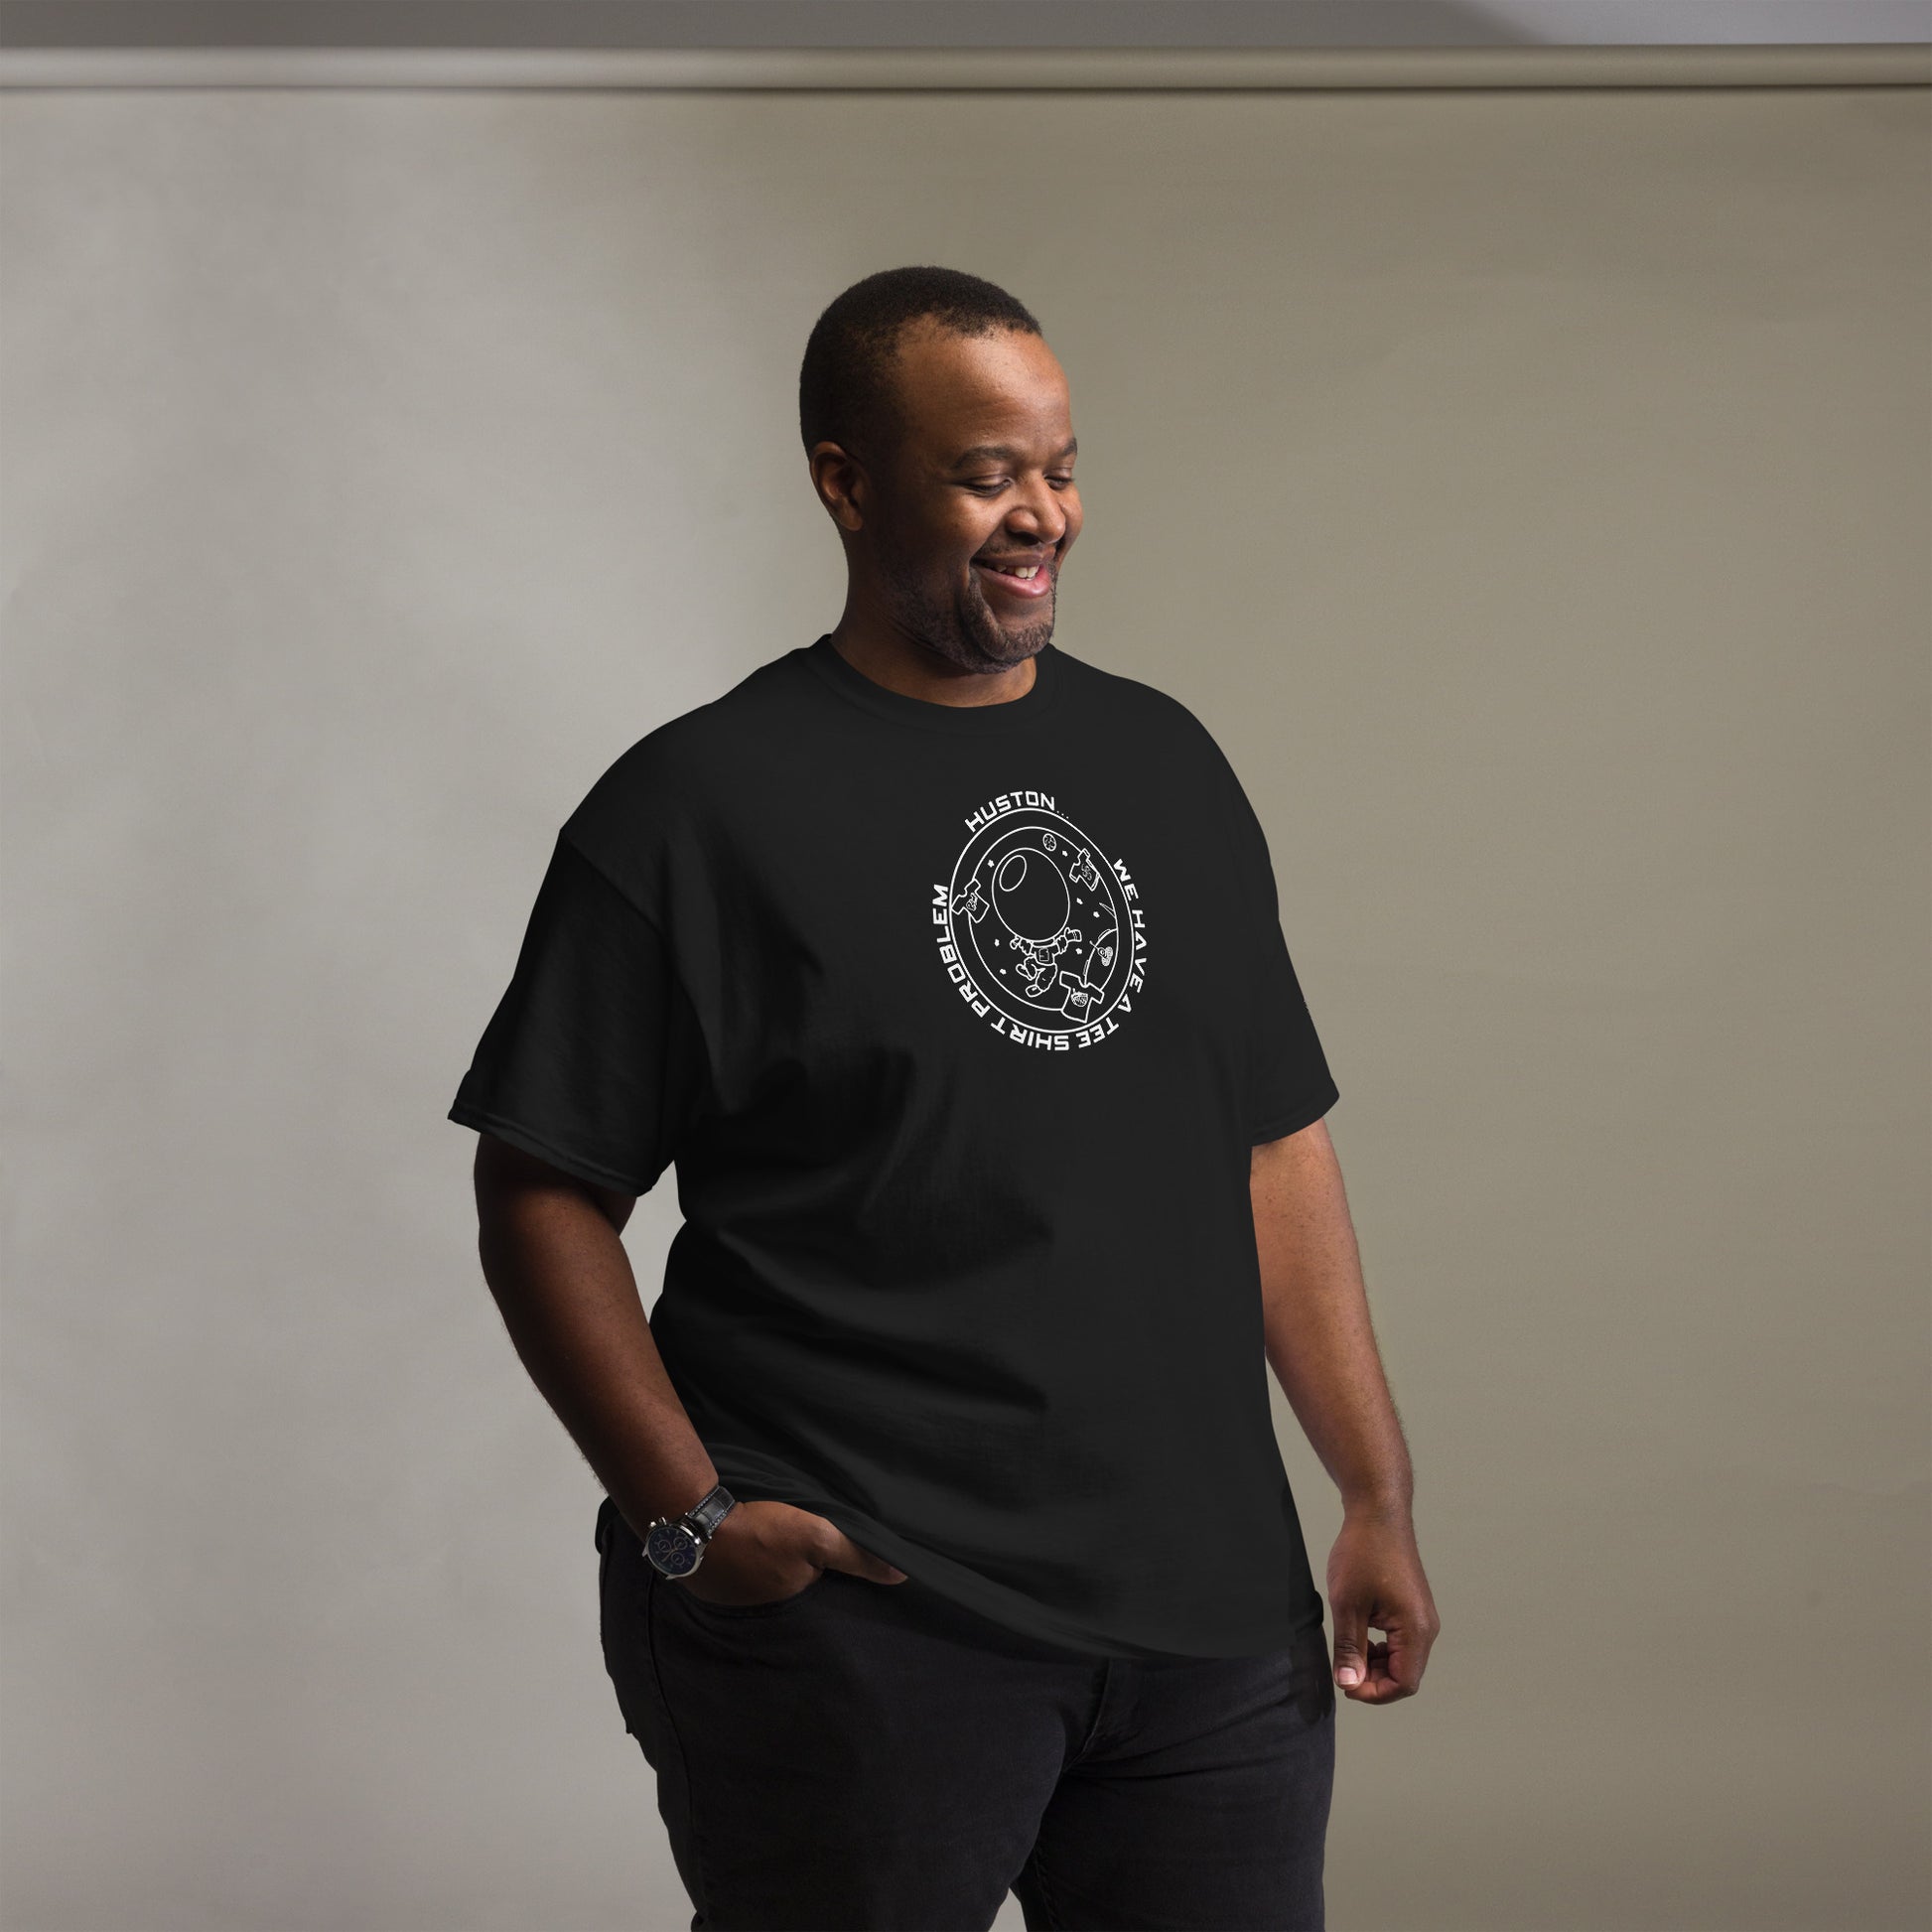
x: 763, y: 1551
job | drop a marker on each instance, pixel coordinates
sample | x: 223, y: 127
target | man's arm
x: 1321, y: 1347
x: 551, y: 1253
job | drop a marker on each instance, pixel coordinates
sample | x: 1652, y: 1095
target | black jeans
x: 872, y: 1755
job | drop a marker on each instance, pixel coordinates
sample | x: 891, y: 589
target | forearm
x: 563, y: 1282
x: 1320, y: 1340
x: 1322, y: 1351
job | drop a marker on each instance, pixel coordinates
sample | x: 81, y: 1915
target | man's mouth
x: 1023, y: 577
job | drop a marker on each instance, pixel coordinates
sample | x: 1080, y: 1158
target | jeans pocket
x: 1311, y: 1683
x: 733, y: 1612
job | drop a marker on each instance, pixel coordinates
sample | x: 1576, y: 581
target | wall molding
x: 899, y: 70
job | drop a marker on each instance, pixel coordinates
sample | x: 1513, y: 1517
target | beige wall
x: 1530, y: 491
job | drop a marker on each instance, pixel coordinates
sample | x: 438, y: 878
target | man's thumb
x: 847, y: 1554
x: 1352, y: 1643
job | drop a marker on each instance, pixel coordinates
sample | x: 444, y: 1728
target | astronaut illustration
x: 1027, y: 889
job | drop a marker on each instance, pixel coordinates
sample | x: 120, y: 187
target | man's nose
x: 1043, y: 523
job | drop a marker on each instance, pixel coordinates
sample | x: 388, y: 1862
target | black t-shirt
x: 959, y: 1023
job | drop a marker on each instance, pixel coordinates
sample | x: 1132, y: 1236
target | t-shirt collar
x: 1011, y: 714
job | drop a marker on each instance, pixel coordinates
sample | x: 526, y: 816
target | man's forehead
x: 986, y: 367
x: 968, y: 396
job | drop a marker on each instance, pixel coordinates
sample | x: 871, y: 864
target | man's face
x: 984, y: 475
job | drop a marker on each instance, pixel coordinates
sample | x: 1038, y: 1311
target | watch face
x: 673, y: 1549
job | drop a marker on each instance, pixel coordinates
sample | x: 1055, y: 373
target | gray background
x: 1527, y: 486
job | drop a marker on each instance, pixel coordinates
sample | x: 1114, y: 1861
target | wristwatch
x: 675, y: 1543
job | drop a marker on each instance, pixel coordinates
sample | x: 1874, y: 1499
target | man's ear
x: 842, y: 484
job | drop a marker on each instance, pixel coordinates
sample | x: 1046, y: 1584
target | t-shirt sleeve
x: 1290, y: 1086
x: 593, y: 1060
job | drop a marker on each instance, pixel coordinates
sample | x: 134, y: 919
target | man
x: 947, y: 1545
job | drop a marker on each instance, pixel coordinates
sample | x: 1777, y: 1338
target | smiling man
x: 947, y: 1545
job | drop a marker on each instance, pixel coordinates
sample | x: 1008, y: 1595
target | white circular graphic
x: 1041, y: 933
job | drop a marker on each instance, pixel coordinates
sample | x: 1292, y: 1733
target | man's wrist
x: 670, y: 1497
x: 1380, y: 1503
x: 676, y: 1544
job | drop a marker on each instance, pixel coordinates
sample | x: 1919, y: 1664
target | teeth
x: 1032, y: 570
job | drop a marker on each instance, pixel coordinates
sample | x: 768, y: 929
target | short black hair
x: 846, y: 393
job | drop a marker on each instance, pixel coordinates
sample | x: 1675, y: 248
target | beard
x: 963, y: 629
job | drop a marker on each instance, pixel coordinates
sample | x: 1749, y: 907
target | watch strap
x: 705, y: 1515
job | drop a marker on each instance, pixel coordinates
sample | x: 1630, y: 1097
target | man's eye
x: 987, y: 489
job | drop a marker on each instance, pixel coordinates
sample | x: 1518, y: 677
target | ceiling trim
x: 899, y: 70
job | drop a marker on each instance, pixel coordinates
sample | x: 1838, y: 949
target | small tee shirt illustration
x: 1039, y: 931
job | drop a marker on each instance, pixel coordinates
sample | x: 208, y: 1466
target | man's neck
x: 890, y: 661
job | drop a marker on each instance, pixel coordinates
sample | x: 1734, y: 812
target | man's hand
x: 763, y: 1551
x: 1375, y: 1578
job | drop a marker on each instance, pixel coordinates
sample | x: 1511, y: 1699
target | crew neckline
x: 1010, y: 714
